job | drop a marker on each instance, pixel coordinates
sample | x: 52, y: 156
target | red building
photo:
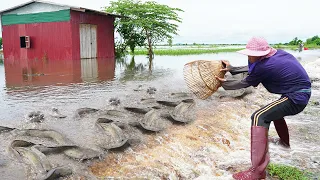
x: 40, y: 30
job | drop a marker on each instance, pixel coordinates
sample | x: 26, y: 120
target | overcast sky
x: 231, y: 21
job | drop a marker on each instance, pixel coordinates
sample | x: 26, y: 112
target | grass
x: 200, y: 49
x: 293, y: 47
x: 287, y: 172
x: 178, y: 52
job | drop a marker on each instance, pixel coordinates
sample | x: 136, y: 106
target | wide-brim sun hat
x: 257, y: 47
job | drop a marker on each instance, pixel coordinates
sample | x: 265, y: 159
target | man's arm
x: 233, y: 84
x: 233, y: 70
x: 237, y: 70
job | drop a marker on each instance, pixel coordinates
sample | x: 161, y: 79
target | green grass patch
x: 287, y: 172
x: 178, y: 52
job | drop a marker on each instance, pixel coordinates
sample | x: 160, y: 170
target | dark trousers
x: 275, y: 111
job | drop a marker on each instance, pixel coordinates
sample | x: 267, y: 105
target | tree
x: 0, y: 42
x: 170, y: 42
x: 144, y: 23
x: 295, y: 41
x: 313, y: 40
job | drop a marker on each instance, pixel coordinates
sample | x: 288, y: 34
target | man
x: 301, y: 46
x: 280, y: 73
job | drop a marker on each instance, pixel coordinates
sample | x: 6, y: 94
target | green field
x: 205, y: 49
x: 178, y: 52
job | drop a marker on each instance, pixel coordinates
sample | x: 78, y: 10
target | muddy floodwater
x: 212, y: 146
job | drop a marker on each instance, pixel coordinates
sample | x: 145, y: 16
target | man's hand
x: 220, y: 79
x: 226, y: 64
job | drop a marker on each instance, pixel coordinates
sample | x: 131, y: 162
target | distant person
x: 301, y: 47
x: 280, y: 73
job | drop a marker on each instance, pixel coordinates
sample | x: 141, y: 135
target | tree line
x: 315, y: 40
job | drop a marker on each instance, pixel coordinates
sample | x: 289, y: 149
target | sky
x: 230, y: 21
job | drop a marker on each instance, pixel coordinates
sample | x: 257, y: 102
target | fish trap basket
x: 200, y: 77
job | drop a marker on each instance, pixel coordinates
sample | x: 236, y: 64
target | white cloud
x: 212, y: 21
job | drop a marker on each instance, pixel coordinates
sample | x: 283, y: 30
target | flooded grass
x: 178, y: 52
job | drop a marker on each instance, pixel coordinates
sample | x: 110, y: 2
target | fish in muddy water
x: 180, y: 95
x: 45, y: 133
x: 169, y: 103
x: 53, y: 149
x: 147, y: 101
x: 139, y: 88
x: 153, y: 121
x: 81, y: 154
x: 20, y: 143
x: 56, y: 114
x: 34, y: 158
x: 116, y: 113
x: 21, y: 147
x: 5, y: 129
x: 184, y: 112
x: 151, y: 90
x: 84, y: 111
x: 73, y: 151
x: 42, y: 168
x: 17, y: 144
x: 118, y: 116
x: 35, y: 116
x: 57, y: 173
x: 114, y: 137
x: 175, y: 103
x: 114, y: 101
x: 141, y: 110
x: 133, y: 135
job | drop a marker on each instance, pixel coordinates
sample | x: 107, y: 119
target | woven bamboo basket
x: 200, y: 78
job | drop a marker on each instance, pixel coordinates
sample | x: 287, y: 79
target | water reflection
x: 133, y: 69
x: 45, y: 73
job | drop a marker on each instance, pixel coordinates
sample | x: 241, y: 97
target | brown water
x: 69, y: 85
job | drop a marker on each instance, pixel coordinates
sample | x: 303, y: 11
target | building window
x: 24, y: 42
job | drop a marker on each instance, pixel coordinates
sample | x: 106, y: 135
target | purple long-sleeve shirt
x: 279, y: 74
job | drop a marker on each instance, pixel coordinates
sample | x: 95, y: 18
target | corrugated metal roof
x: 74, y: 8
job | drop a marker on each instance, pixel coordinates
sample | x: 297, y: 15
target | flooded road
x: 212, y: 147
